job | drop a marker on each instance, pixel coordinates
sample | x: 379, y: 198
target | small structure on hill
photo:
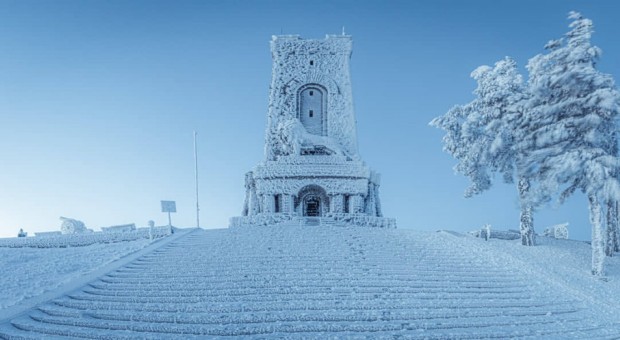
x: 559, y: 231
x: 72, y: 226
x: 312, y: 167
x: 123, y: 228
x: 486, y: 233
x: 22, y: 233
x: 47, y: 233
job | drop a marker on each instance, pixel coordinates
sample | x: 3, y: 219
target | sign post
x: 169, y: 207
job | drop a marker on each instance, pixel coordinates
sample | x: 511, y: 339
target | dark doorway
x: 312, y: 201
x: 313, y: 206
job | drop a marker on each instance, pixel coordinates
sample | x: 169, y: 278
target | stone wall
x: 298, y: 63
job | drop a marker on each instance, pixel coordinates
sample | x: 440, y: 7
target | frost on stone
x: 72, y: 226
x: 293, y: 139
x: 302, y: 66
x: 559, y: 231
x: 58, y: 240
x: 122, y: 228
x: 312, y: 167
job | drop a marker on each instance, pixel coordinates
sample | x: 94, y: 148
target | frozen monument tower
x: 312, y: 167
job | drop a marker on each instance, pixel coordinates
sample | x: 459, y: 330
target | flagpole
x: 196, y: 174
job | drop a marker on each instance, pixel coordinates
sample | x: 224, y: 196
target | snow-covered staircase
x: 317, y: 281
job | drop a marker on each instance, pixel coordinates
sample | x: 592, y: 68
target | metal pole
x: 196, y: 174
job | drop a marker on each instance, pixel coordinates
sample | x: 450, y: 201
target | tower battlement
x: 332, y: 43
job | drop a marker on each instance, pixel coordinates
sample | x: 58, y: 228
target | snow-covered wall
x: 302, y: 67
x: 84, y: 239
x: 291, y: 174
x: 312, y: 167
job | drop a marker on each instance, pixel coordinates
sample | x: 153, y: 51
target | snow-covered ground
x: 564, y: 265
x: 28, y: 272
x: 336, y: 281
x: 84, y: 239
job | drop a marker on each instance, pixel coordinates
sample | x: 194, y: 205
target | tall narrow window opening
x: 277, y: 203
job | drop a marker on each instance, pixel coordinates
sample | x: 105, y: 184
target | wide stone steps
x: 256, y: 325
x: 286, y: 316
x: 460, y: 327
x: 303, y: 290
x: 310, y: 282
x: 290, y: 297
x: 338, y: 304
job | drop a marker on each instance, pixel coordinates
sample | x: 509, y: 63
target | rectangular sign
x: 168, y: 206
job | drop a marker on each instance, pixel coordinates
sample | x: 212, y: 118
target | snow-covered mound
x: 334, y: 281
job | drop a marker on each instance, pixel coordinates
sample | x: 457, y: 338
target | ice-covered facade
x: 312, y: 167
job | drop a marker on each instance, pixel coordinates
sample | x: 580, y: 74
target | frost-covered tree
x: 574, y: 136
x: 487, y: 135
x: 612, y: 244
x: 465, y: 141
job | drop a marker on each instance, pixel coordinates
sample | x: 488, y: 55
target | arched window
x: 311, y: 109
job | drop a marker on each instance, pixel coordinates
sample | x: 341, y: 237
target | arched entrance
x: 312, y: 201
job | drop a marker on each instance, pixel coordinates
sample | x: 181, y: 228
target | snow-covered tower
x: 312, y: 167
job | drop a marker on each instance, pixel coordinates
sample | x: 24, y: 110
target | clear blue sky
x: 98, y: 101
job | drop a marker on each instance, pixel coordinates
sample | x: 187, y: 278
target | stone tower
x: 312, y: 167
